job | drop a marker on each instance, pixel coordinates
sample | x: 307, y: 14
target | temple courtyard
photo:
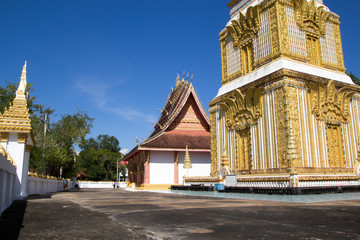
x: 120, y: 214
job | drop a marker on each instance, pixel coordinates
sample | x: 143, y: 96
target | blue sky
x: 117, y: 59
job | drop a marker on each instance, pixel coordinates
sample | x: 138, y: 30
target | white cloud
x: 99, y: 92
x: 124, y: 151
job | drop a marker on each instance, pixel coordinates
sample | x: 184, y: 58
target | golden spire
x: 224, y: 159
x: 20, y: 93
x: 187, y: 160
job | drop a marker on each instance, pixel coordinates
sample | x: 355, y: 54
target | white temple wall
x: 201, y: 165
x: 182, y: 171
x: 161, y: 167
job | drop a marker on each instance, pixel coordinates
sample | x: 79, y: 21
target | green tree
x: 99, y: 157
x: 58, y: 145
x: 354, y: 78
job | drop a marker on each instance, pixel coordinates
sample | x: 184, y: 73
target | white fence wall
x: 41, y: 185
x: 89, y: 184
x: 7, y: 183
x: 86, y: 184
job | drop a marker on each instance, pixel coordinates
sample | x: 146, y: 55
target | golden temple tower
x: 286, y: 104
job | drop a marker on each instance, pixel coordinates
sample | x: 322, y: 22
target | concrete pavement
x: 119, y: 214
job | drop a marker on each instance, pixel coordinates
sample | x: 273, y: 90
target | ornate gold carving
x: 292, y: 151
x: 242, y: 111
x: 329, y: 104
x: 309, y: 17
x: 7, y: 155
x: 201, y: 179
x: 339, y: 49
x: 213, y: 144
x: 327, y: 178
x: 28, y: 148
x: 22, y: 137
x: 246, y: 26
x: 274, y: 30
x: 4, y: 136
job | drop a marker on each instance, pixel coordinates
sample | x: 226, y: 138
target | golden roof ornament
x: 187, y: 160
x: 177, y: 80
x: 17, y: 118
x: 20, y: 93
x: 224, y: 159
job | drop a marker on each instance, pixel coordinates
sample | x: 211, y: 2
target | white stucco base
x: 162, y: 166
x: 284, y: 64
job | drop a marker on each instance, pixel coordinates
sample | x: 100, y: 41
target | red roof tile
x: 180, y: 138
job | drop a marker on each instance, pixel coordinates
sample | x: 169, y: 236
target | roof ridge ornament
x: 20, y: 93
x: 310, y: 16
x: 177, y: 80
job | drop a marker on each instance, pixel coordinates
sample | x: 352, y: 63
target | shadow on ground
x: 11, y: 220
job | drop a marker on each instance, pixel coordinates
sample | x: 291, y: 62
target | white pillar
x: 16, y: 149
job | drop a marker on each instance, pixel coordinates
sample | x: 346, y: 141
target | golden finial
x: 187, y: 160
x: 167, y: 113
x: 183, y: 76
x: 177, y: 80
x: 22, y: 85
x: 172, y: 88
x: 142, y: 138
x: 153, y: 125
x: 159, y: 110
x: 225, y: 159
x: 191, y: 78
x: 137, y: 141
x: 187, y: 77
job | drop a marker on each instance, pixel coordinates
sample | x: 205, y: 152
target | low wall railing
x: 100, y: 184
x: 8, y: 179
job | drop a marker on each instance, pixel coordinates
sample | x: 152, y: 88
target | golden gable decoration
x: 17, y: 118
x: 246, y: 26
x: 242, y: 111
x: 329, y: 104
x: 309, y: 17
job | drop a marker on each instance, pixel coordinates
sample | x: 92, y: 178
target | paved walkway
x: 119, y: 214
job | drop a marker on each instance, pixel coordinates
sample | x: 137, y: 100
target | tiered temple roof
x: 182, y: 122
x: 17, y: 118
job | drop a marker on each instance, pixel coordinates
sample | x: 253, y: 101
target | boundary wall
x: 100, y: 184
x: 8, y: 179
x: 41, y: 185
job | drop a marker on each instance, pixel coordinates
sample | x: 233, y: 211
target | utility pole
x: 117, y: 169
x: 43, y: 157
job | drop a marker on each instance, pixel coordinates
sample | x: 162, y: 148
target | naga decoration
x: 330, y: 104
x: 310, y: 17
x: 242, y: 111
x: 246, y: 25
